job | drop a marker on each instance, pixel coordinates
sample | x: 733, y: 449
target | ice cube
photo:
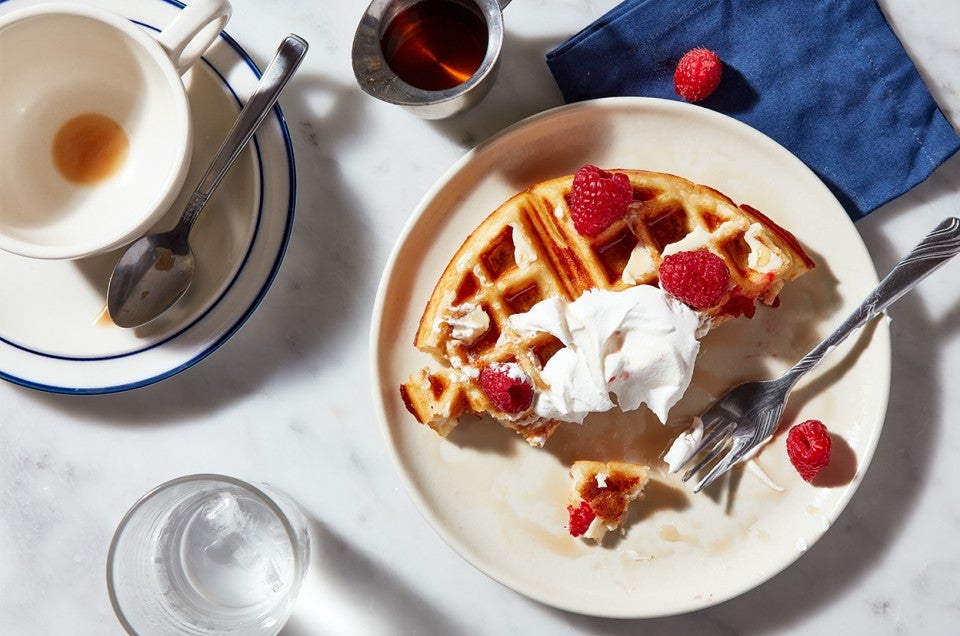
x: 224, y: 514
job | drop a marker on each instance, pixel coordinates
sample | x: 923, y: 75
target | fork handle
x: 939, y: 246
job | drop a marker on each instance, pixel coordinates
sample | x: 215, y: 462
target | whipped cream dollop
x: 639, y: 345
x: 523, y: 252
x: 682, y: 447
x: 698, y: 239
x: 468, y: 322
x: 639, y: 265
x: 598, y: 529
x: 761, y: 257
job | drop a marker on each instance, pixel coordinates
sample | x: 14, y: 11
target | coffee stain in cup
x: 89, y: 148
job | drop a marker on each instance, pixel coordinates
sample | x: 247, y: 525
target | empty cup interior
x: 59, y: 71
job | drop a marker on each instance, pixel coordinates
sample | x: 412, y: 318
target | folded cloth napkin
x: 828, y: 79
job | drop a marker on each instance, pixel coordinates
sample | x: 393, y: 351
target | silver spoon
x: 156, y: 270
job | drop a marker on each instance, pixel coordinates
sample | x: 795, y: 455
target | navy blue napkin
x: 828, y: 79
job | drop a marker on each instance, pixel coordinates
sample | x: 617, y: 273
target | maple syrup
x: 89, y: 148
x: 435, y: 44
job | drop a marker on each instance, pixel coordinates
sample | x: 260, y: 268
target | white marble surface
x: 287, y: 401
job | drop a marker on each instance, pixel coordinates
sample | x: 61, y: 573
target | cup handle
x: 193, y: 31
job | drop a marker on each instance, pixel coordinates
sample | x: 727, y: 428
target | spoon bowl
x: 156, y: 270
x: 153, y: 279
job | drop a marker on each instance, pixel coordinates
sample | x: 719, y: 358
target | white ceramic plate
x: 501, y: 504
x: 54, y: 333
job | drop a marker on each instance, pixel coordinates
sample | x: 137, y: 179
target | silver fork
x: 747, y: 415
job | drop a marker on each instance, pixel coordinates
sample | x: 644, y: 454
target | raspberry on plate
x: 698, y: 74
x: 698, y: 278
x: 808, y: 446
x: 507, y: 387
x: 598, y: 198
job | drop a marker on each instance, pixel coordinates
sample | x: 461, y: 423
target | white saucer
x: 501, y: 503
x: 54, y: 332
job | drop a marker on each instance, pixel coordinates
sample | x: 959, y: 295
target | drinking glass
x: 208, y: 554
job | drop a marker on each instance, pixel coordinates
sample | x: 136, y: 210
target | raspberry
x: 808, y: 446
x: 697, y: 278
x: 697, y: 75
x: 507, y: 387
x: 598, y: 198
x: 580, y: 518
x: 739, y: 305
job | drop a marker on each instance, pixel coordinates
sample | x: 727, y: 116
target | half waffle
x: 528, y: 250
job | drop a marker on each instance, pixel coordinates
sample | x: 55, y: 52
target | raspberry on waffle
x: 601, y: 494
x: 529, y: 250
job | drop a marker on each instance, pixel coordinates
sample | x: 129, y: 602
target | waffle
x: 528, y: 250
x: 607, y: 488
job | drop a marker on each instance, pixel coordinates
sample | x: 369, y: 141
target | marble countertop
x: 286, y: 400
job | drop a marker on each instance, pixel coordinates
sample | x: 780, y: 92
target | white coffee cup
x: 95, y: 129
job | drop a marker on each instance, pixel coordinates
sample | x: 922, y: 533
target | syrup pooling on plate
x: 435, y: 44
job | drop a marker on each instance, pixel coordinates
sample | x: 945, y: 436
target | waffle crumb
x: 600, y: 504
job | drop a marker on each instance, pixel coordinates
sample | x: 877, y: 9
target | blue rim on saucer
x: 239, y: 320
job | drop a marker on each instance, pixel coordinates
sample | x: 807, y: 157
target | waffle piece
x: 528, y: 250
x: 601, y: 494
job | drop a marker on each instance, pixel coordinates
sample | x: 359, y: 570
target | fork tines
x: 717, y: 437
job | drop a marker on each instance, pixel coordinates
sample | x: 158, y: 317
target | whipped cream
x: 761, y: 257
x: 683, y: 446
x: 640, y: 265
x: 698, y: 239
x: 523, y: 252
x: 638, y: 344
x: 468, y: 322
x: 762, y: 475
x: 598, y: 529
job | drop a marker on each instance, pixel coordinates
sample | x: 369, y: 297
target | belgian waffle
x: 528, y: 250
x: 607, y: 488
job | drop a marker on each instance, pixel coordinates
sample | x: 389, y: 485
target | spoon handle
x: 288, y: 57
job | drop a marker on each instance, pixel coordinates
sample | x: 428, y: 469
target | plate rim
x: 241, y: 317
x: 377, y: 362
